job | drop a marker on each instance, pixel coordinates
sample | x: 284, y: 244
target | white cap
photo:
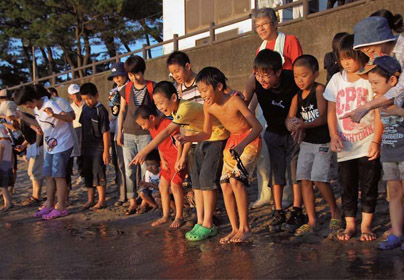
x: 3, y: 131
x: 3, y: 93
x: 73, y: 89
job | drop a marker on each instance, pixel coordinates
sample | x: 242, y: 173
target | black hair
x: 53, y: 90
x: 337, y: 38
x: 179, y: 58
x: 211, y: 76
x: 395, y: 21
x: 345, y: 50
x: 307, y: 61
x: 144, y: 112
x: 153, y: 155
x: 166, y: 88
x: 381, y: 72
x: 41, y: 91
x: 26, y: 94
x: 267, y: 59
x: 88, y: 88
x: 135, y: 64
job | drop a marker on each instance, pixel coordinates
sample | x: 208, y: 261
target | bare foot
x: 88, y: 205
x: 241, y: 236
x: 161, y: 221
x: 346, y: 234
x: 368, y: 236
x: 227, y: 238
x: 177, y: 223
x: 99, y: 205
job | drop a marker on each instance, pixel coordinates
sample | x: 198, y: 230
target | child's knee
x: 395, y: 191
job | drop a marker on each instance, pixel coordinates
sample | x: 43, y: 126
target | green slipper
x: 191, y: 232
x: 304, y: 230
x: 202, y: 233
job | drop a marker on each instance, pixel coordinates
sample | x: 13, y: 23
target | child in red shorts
x: 148, y: 118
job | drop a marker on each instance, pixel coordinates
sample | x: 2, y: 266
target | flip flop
x: 45, y: 210
x: 130, y: 211
x: 335, y: 225
x: 305, y: 229
x: 55, y: 214
x: 32, y: 201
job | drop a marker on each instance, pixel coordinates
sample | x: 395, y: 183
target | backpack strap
x: 128, y: 89
x: 150, y: 88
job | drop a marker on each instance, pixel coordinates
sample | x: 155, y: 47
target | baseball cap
x: 73, y: 89
x: 117, y: 69
x: 386, y: 62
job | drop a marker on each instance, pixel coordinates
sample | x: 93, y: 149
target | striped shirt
x: 191, y: 93
x: 139, y: 95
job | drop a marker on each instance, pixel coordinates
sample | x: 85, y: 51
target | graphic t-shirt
x: 393, y: 135
x: 57, y: 134
x: 152, y: 178
x: 190, y: 115
x: 167, y: 147
x: 356, y: 137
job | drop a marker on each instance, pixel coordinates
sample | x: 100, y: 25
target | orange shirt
x: 292, y: 50
x: 167, y: 147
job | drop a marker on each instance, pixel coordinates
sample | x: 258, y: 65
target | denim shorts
x: 55, y: 165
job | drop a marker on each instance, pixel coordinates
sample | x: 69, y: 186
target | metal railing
x: 52, y: 79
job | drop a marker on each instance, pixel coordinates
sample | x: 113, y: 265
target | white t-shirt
x: 77, y: 111
x: 356, y: 137
x: 57, y: 134
x: 152, y: 178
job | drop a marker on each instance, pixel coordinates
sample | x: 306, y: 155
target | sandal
x: 55, y: 214
x: 390, y: 243
x: 32, y: 201
x: 130, y: 211
x: 44, y: 210
x: 141, y: 210
x: 335, y: 225
x: 191, y: 232
x: 202, y: 233
x: 304, y: 230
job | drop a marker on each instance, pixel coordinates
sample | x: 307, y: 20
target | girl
x: 6, y: 160
x: 357, y: 145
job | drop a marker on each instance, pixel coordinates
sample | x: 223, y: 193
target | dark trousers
x: 117, y: 161
x: 355, y: 174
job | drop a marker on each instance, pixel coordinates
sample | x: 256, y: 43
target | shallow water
x: 66, y: 248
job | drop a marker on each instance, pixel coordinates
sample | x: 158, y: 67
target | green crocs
x: 191, y: 232
x: 201, y: 233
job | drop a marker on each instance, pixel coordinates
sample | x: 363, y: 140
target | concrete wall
x: 235, y: 57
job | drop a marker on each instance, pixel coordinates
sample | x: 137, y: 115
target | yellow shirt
x: 190, y: 116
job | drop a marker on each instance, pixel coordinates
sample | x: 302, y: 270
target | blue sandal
x: 390, y: 243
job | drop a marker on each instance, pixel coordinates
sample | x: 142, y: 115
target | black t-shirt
x: 307, y: 109
x: 94, y: 123
x: 275, y: 102
x: 331, y: 65
x: 28, y: 133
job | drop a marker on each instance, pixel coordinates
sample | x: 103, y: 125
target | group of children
x: 199, y: 127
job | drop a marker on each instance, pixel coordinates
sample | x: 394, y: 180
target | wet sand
x: 108, y: 244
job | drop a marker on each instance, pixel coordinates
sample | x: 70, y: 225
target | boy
x: 180, y: 68
x: 149, y: 187
x: 208, y: 154
x: 308, y: 116
x: 95, y: 145
x: 171, y: 177
x: 59, y: 143
x: 275, y: 89
x: 130, y: 135
x: 120, y: 78
x: 244, y: 141
x: 383, y: 75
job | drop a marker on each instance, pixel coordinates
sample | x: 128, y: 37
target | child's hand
x: 179, y: 139
x: 181, y: 164
x: 373, y: 151
x: 164, y: 164
x: 392, y: 110
x: 336, y: 144
x: 49, y: 111
x: 106, y: 157
x: 298, y: 135
x: 138, y: 159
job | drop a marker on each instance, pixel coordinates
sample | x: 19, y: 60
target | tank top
x: 308, y: 111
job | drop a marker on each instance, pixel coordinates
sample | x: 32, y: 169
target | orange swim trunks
x: 249, y: 158
x: 171, y: 175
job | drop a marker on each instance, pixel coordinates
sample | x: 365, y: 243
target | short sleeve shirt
x: 190, y: 115
x: 167, y: 147
x: 57, y: 134
x: 94, y: 123
x: 356, y: 137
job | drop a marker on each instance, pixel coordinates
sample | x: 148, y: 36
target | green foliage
x: 64, y: 31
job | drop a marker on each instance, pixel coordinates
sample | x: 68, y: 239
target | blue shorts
x: 55, y: 165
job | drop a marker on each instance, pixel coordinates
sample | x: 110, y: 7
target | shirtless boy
x: 244, y: 141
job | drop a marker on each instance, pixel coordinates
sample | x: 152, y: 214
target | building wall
x: 235, y: 57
